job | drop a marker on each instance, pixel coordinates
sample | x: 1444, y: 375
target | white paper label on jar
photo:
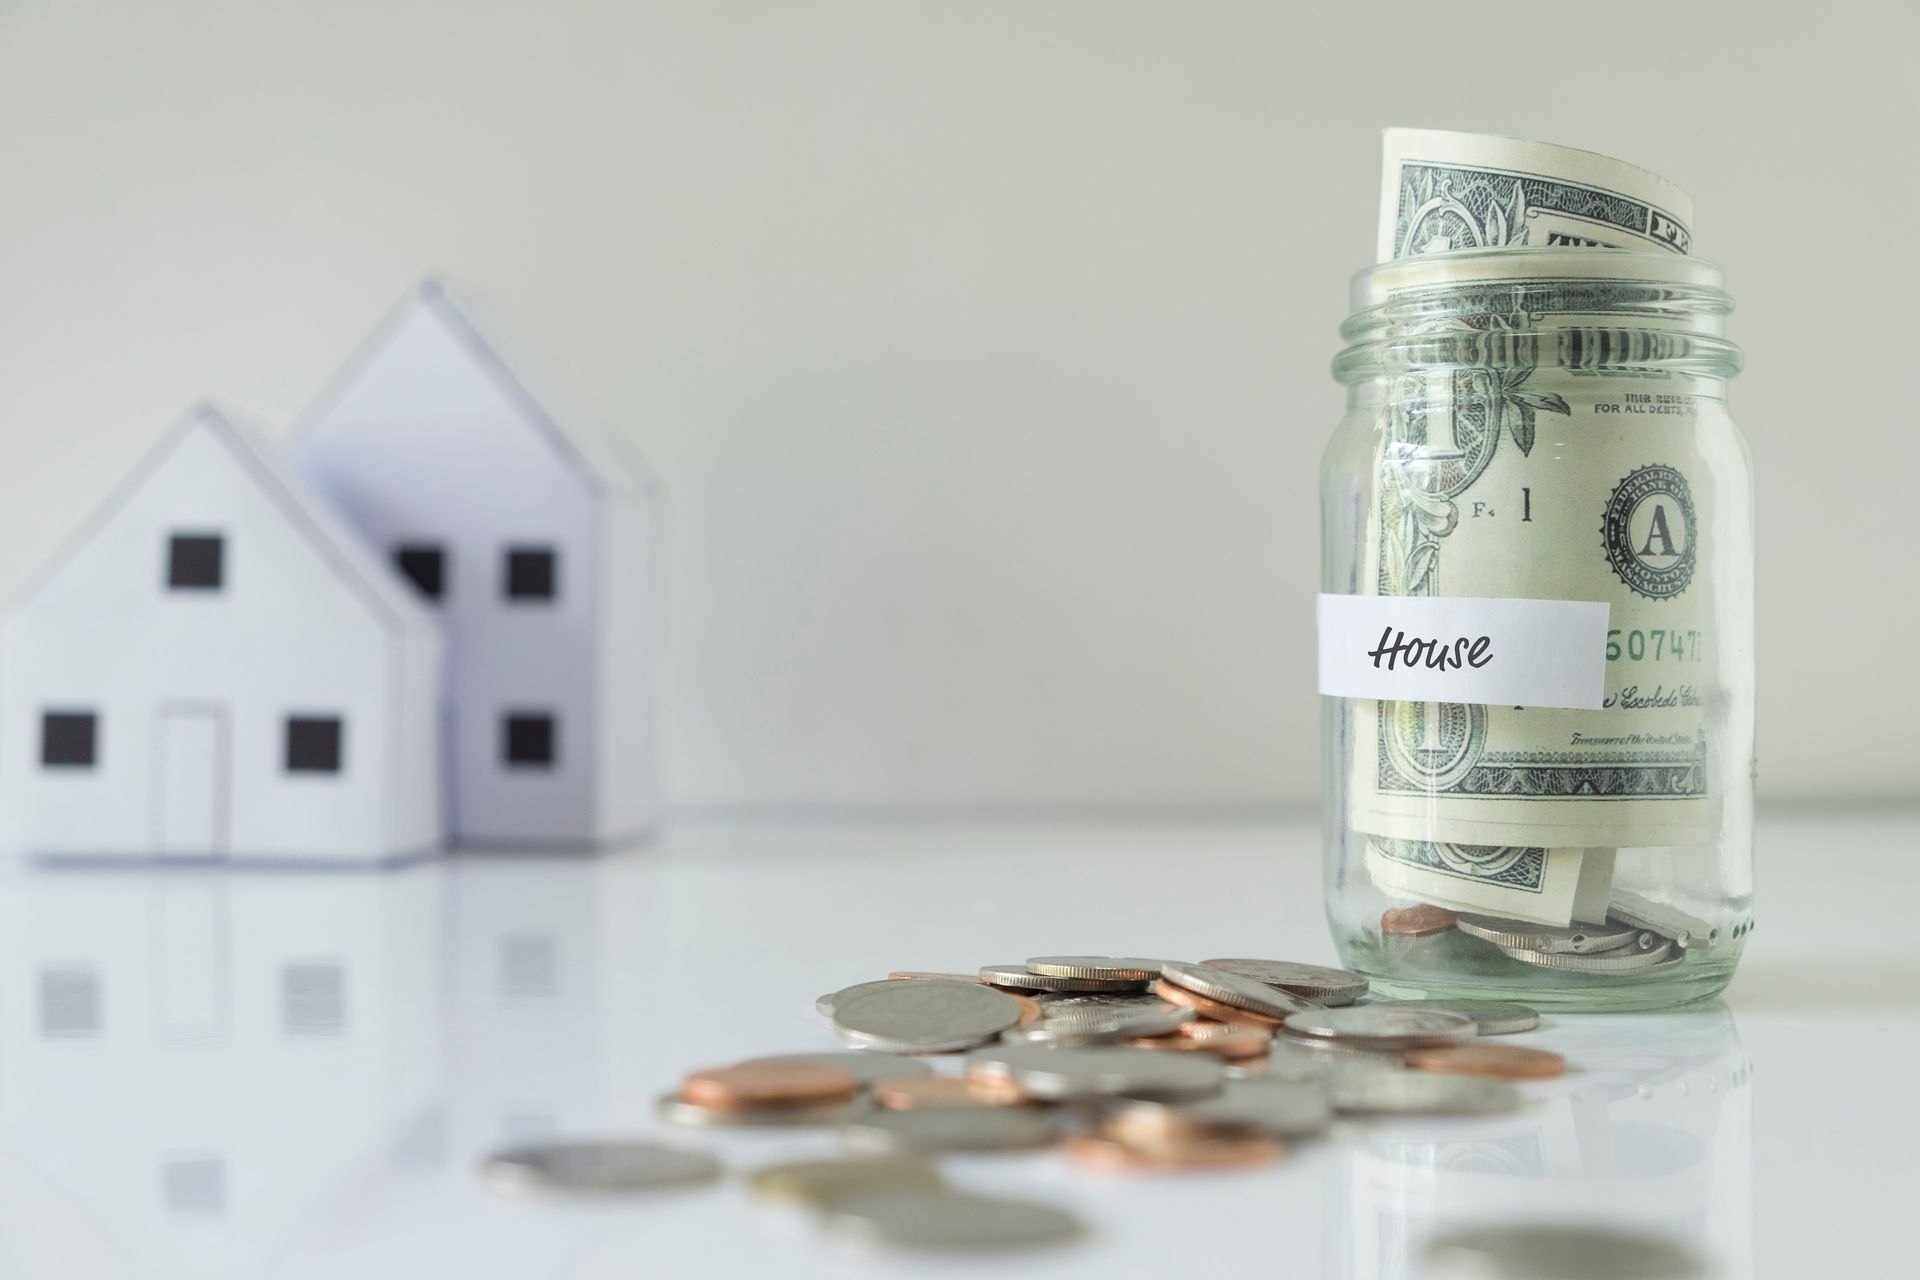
x: 1517, y: 653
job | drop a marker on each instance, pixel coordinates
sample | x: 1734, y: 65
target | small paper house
x: 215, y: 667
x: 533, y: 536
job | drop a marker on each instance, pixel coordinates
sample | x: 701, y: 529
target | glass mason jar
x: 1528, y: 426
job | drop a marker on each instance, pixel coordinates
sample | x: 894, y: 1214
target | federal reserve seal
x: 1648, y: 531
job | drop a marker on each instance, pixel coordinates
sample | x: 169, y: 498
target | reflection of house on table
x: 213, y: 666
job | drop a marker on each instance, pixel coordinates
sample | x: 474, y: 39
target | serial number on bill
x: 1654, y: 644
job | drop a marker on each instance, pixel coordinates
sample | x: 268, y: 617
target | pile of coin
x: 1639, y: 936
x: 1121, y: 1063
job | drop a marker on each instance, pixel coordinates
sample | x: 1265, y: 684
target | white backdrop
x: 983, y: 345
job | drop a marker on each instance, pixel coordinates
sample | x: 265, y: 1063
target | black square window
x: 527, y: 740
x: 425, y: 565
x: 313, y: 744
x: 67, y: 739
x: 532, y: 573
x: 195, y: 561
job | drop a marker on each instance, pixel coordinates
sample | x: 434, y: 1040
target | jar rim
x: 1383, y: 281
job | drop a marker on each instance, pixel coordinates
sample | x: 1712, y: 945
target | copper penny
x: 1030, y: 1009
x: 1103, y: 1150
x: 754, y: 1085
x: 1209, y: 1008
x: 908, y: 1093
x: 1218, y: 1038
x: 1417, y: 922
x: 1499, y: 1061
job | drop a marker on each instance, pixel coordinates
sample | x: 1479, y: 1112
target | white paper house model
x: 214, y: 667
x: 533, y: 536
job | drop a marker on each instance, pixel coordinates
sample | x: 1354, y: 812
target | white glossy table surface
x: 258, y: 1073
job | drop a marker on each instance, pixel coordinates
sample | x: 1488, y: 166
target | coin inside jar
x: 749, y: 1085
x: 1495, y: 1061
x: 1417, y: 921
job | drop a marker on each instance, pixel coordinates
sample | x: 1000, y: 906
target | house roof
x: 604, y: 462
x: 388, y: 599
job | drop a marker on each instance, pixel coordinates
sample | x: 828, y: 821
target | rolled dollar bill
x: 1441, y: 190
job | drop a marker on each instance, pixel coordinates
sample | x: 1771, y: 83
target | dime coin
x: 1316, y: 982
x: 1102, y: 1149
x: 1625, y: 960
x: 934, y: 1129
x: 1495, y: 1061
x: 1118, y: 968
x: 924, y: 1017
x: 1417, y: 921
x: 820, y: 1183
x: 1273, y: 1107
x: 788, y: 1084
x: 864, y: 1067
x: 1381, y: 1026
x: 591, y: 1167
x: 942, y: 1091
x: 1214, y: 1009
x: 1557, y: 1253
x: 1020, y: 978
x: 1421, y: 1093
x: 1065, y: 1075
x: 947, y: 1220
x: 673, y: 1109
x: 1490, y: 1017
x: 1230, y: 988
x: 1580, y: 939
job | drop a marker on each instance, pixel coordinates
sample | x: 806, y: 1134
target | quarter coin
x: 1316, y: 982
x: 1381, y: 1026
x: 924, y: 1017
x: 1118, y: 968
x: 1214, y: 1009
x: 1622, y: 960
x: 596, y: 1167
x: 1019, y: 978
x: 1490, y: 1017
x: 1580, y: 939
x: 1230, y: 988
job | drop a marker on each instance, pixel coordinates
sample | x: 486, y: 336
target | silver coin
x: 1065, y: 1075
x: 1381, y: 1026
x: 947, y: 1220
x: 1628, y: 960
x: 1230, y: 988
x: 1271, y: 1106
x: 1548, y: 1252
x: 1019, y: 976
x: 822, y: 1182
x: 1579, y: 939
x: 1316, y: 982
x: 1059, y: 1002
x: 1090, y: 1027
x: 1639, y: 912
x: 1490, y: 1017
x: 932, y: 1129
x: 673, y: 1109
x: 927, y: 1016
x: 825, y: 1005
x: 864, y: 1067
x: 596, y: 1167
x: 1113, y: 968
x: 1421, y: 1093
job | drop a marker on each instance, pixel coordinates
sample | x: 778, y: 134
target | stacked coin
x: 1124, y: 1063
x: 1639, y: 936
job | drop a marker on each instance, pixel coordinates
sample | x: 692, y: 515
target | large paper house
x: 533, y: 535
x: 215, y: 667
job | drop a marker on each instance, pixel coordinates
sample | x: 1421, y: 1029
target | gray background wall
x: 984, y: 345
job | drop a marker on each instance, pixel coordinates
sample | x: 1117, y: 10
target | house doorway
x: 190, y: 782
